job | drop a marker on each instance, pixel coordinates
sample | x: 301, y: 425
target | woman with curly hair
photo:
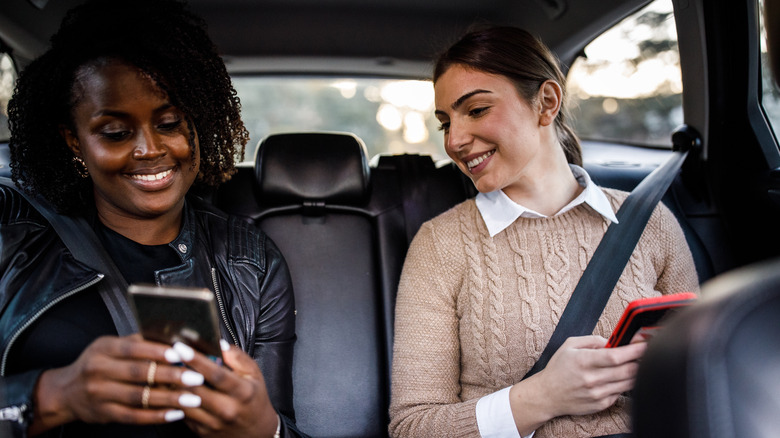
x: 126, y: 112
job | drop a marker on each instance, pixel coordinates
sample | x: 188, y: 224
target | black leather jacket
x: 225, y: 254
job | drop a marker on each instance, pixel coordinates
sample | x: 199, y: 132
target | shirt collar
x: 499, y: 212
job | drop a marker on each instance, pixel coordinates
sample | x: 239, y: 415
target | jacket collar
x: 183, y: 244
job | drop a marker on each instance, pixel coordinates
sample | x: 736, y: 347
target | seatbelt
x: 83, y: 243
x: 589, y: 298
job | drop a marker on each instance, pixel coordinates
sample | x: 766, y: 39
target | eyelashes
x: 473, y: 113
x: 115, y: 135
x: 174, y: 126
x: 170, y: 126
x: 476, y: 112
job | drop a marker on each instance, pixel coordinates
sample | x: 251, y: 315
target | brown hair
x: 520, y: 57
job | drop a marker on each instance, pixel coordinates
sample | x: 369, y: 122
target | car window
x: 627, y: 86
x: 391, y: 116
x: 770, y: 95
x: 7, y: 81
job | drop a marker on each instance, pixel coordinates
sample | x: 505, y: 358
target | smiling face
x: 494, y: 136
x: 134, y: 142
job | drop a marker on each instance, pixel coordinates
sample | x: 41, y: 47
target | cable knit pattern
x: 499, y: 364
x: 474, y: 313
x: 475, y: 293
x: 555, y: 264
x: 530, y: 312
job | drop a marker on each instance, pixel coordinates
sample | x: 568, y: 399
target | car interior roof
x: 406, y: 30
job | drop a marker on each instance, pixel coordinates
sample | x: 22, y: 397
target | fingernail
x: 174, y: 415
x: 192, y: 378
x: 224, y: 345
x: 185, y: 352
x: 172, y: 356
x: 189, y: 400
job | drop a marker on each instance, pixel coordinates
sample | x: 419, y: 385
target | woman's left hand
x: 235, y: 402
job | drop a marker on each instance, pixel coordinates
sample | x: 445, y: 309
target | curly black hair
x: 162, y: 38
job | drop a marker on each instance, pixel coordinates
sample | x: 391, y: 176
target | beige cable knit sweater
x: 474, y: 313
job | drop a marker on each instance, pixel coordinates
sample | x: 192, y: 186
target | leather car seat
x: 313, y: 189
x: 714, y: 369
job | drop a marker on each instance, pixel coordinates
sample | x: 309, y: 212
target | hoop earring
x: 81, y: 167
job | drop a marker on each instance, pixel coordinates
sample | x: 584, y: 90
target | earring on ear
x: 81, y: 167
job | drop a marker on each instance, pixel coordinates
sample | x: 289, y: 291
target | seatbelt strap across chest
x: 592, y: 292
x: 84, y: 245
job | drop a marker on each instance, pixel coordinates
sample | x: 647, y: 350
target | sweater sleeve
x: 675, y: 266
x: 426, y: 354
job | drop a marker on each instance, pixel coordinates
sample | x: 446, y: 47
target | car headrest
x: 712, y: 371
x: 317, y: 167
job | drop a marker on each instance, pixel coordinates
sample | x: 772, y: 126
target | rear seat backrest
x: 313, y: 190
x: 344, y: 229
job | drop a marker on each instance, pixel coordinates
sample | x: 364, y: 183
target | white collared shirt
x: 499, y: 212
x: 494, y: 412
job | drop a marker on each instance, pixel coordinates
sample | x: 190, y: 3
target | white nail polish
x: 172, y: 356
x: 189, y: 400
x: 224, y: 345
x: 192, y: 378
x: 185, y: 352
x: 174, y: 415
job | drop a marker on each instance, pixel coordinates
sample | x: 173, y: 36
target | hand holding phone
x: 645, y: 316
x: 168, y: 314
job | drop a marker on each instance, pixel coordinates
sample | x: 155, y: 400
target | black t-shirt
x: 136, y: 262
x: 59, y: 336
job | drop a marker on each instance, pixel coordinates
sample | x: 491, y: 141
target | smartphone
x: 170, y: 314
x: 646, y: 315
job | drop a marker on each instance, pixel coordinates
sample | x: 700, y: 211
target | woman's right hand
x: 106, y: 384
x: 581, y: 378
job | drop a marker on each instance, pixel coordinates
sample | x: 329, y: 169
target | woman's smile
x: 476, y: 164
x: 153, y: 181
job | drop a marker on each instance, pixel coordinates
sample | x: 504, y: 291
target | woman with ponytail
x: 484, y: 284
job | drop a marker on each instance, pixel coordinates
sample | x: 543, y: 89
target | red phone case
x: 646, y: 314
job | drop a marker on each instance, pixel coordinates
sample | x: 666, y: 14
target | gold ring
x: 145, y: 397
x: 150, y: 373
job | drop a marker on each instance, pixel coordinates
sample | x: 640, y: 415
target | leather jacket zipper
x: 13, y: 413
x: 38, y: 314
x: 222, y: 311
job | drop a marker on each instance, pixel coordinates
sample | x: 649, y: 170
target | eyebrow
x: 463, y: 98
x: 120, y: 114
x: 459, y: 101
